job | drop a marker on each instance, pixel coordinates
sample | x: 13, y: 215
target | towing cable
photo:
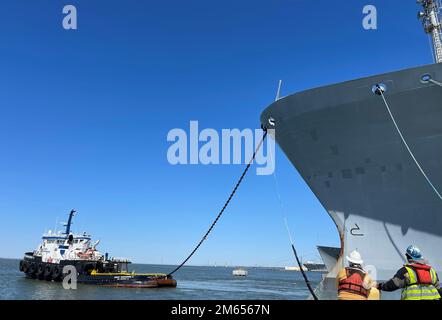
x: 225, y: 204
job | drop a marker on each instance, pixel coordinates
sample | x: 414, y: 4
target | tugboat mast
x: 432, y: 26
x: 68, y: 224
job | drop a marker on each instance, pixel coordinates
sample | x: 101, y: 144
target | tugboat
x: 60, y: 249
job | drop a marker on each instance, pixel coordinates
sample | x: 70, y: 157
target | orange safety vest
x: 422, y: 283
x: 353, y: 282
x: 423, y: 273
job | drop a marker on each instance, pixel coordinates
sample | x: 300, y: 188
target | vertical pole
x: 432, y: 26
x: 278, y: 93
x: 68, y: 226
x: 435, y: 33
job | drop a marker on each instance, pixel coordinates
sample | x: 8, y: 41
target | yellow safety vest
x: 416, y: 291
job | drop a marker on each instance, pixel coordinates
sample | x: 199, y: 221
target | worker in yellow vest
x: 417, y: 279
x: 353, y: 282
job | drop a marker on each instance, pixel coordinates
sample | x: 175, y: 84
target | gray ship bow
x: 343, y: 142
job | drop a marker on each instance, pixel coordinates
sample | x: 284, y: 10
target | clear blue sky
x: 84, y: 117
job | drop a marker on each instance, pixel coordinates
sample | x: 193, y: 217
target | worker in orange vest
x: 353, y: 282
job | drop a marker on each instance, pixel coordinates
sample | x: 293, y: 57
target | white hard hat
x: 355, y: 257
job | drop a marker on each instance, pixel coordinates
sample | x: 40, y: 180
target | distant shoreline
x: 192, y: 265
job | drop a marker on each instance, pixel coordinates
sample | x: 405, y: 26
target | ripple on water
x: 193, y: 283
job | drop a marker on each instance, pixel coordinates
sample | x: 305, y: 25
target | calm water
x: 193, y: 283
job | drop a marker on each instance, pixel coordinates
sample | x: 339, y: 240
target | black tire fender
x: 32, y: 268
x: 25, y: 267
x: 40, y: 269
x: 56, y: 274
x: 48, y: 271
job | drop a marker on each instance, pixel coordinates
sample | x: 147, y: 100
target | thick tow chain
x: 225, y: 205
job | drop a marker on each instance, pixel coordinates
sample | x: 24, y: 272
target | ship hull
x: 35, y: 268
x: 127, y: 281
x: 343, y: 143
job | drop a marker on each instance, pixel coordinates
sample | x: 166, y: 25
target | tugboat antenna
x: 432, y: 26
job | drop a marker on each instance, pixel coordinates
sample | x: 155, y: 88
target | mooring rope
x: 435, y: 82
x: 381, y: 93
x: 306, y: 280
x: 225, y: 205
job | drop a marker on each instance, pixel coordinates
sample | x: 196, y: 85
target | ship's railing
x: 29, y: 255
x: 121, y: 260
